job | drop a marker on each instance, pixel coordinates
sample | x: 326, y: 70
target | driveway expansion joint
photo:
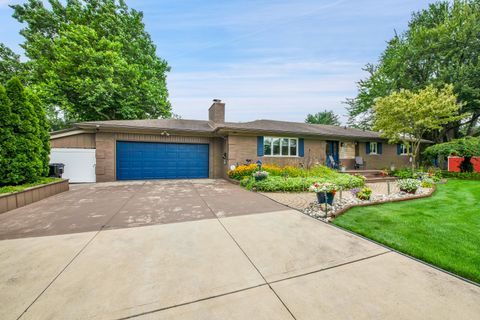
x: 75, y: 257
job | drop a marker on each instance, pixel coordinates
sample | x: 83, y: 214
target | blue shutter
x: 367, y: 147
x: 260, y: 146
x: 399, y: 148
x: 301, y: 147
x: 379, y: 148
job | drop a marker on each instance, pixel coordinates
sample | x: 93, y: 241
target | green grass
x: 443, y: 230
x: 9, y: 189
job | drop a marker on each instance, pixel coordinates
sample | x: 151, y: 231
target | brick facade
x: 388, y: 157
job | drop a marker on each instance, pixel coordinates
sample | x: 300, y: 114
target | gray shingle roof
x: 160, y: 124
x: 286, y: 127
x: 261, y: 126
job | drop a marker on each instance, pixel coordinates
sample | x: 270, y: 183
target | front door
x: 332, y: 151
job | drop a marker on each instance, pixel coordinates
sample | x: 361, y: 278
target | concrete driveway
x: 205, y: 249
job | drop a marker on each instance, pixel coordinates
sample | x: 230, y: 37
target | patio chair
x: 333, y: 164
x: 359, y: 163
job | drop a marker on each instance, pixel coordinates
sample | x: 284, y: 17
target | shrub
x: 288, y: 171
x: 260, y: 175
x: 362, y: 193
x: 408, y: 185
x: 299, y: 184
x: 462, y: 175
x: 427, y: 183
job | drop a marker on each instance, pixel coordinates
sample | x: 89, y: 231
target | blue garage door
x: 151, y: 160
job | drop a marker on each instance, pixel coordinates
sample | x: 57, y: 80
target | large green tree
x: 7, y: 143
x: 323, y: 117
x: 25, y: 164
x: 407, y: 116
x: 441, y: 46
x: 92, y: 60
x: 10, y: 64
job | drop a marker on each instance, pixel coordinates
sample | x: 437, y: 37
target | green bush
x: 462, y: 175
x: 299, y: 184
x: 23, y: 145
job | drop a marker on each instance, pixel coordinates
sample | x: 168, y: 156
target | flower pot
x: 322, y: 199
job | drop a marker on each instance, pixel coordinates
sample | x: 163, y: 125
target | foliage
x: 328, y: 187
x: 299, y: 184
x: 10, y: 64
x: 408, y: 185
x: 406, y: 116
x: 362, y: 193
x: 431, y: 172
x: 427, y: 183
x: 465, y: 147
x: 40, y: 181
x: 441, y: 46
x: 43, y: 131
x: 92, y: 60
x: 323, y: 117
x: 441, y: 229
x: 462, y: 175
x: 24, y: 157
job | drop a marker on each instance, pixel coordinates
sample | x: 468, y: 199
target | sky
x: 265, y: 59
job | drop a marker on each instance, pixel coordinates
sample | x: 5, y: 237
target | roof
x: 156, y: 124
x: 252, y: 127
x: 286, y: 127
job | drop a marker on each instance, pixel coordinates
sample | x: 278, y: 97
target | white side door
x: 79, y: 163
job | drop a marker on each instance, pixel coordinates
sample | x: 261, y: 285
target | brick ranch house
x: 104, y: 151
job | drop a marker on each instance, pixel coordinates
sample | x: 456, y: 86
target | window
x: 405, y: 149
x: 280, y: 147
x: 373, y: 148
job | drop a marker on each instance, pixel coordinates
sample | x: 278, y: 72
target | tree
x: 7, y: 143
x: 93, y: 60
x: 441, y: 46
x: 324, y: 117
x: 407, y: 116
x: 25, y: 164
x: 10, y: 64
x: 43, y: 131
x: 467, y: 147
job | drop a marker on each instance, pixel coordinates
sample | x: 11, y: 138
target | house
x: 175, y: 148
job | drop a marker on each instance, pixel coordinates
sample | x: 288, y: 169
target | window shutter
x: 301, y: 148
x: 260, y: 146
x: 379, y: 148
x: 367, y: 147
x: 399, y: 148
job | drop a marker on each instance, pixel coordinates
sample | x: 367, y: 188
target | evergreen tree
x: 25, y: 165
x: 7, y: 143
x: 43, y: 130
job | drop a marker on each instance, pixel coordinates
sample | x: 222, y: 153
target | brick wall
x: 388, y: 157
x: 241, y: 148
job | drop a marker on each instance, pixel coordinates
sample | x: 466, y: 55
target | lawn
x: 443, y: 230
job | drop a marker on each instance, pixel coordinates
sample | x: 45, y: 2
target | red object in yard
x: 454, y: 163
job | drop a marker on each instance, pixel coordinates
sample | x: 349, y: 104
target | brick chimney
x: 216, y: 112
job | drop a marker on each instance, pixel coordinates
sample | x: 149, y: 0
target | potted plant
x: 384, y: 173
x: 325, y: 191
x: 260, y: 175
x: 409, y: 185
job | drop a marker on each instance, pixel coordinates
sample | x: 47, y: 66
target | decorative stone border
x: 364, y: 204
x: 14, y: 200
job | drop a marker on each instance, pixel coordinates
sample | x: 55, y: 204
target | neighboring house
x: 177, y: 148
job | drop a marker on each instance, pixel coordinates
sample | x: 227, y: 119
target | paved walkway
x: 301, y: 200
x: 231, y: 264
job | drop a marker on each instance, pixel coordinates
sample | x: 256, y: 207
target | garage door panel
x: 152, y: 160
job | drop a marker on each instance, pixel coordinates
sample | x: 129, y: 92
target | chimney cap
x: 217, y: 100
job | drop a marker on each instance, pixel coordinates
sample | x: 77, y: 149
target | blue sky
x: 266, y: 59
